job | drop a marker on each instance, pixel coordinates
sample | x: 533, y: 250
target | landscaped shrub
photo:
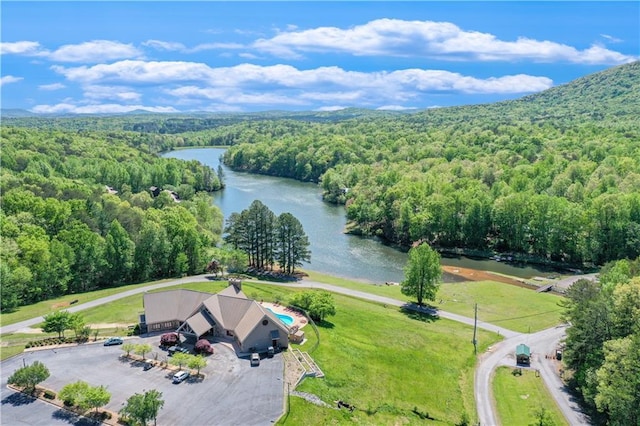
x: 203, y: 346
x: 49, y: 341
x: 169, y: 339
x: 49, y: 394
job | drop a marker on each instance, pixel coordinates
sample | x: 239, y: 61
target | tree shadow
x: 18, y: 398
x: 73, y: 418
x: 420, y: 313
x: 193, y: 379
x: 124, y: 359
x: 325, y: 324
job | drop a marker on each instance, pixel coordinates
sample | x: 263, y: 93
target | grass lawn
x: 47, y: 306
x: 519, y: 397
x: 389, y: 364
x: 508, y: 306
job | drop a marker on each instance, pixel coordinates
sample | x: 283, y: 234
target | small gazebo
x: 523, y: 354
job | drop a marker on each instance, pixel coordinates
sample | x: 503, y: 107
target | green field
x: 45, y: 307
x: 389, y: 363
x: 518, y: 397
x: 508, y: 306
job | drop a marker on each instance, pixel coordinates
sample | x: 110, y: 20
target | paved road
x: 563, y: 284
x: 544, y: 341
x: 503, y: 353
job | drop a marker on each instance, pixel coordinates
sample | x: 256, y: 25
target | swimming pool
x: 286, y: 319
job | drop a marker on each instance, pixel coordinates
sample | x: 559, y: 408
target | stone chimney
x: 236, y: 282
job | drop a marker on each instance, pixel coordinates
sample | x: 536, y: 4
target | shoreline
x: 469, y: 274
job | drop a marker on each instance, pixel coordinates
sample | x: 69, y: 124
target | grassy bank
x: 393, y: 366
x: 45, y: 307
x: 519, y: 398
x: 508, y: 306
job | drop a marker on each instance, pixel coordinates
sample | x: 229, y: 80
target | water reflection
x: 332, y: 251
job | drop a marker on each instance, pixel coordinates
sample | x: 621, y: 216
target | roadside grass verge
x: 508, y: 306
x: 519, y: 397
x: 13, y: 344
x: 45, y: 307
x: 516, y: 308
x: 392, y: 367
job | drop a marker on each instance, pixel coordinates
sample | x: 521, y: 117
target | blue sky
x: 113, y: 57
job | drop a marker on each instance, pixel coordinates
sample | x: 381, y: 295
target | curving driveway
x: 543, y: 342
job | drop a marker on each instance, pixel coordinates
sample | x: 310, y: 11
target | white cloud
x: 395, y: 37
x: 51, y: 87
x: 234, y: 96
x: 94, y: 51
x: 394, y: 108
x: 117, y: 93
x: 611, y: 39
x: 331, y: 108
x: 8, y: 79
x: 215, y: 46
x: 251, y: 84
x: 137, y: 72
x: 164, y: 45
x: 29, y: 48
x: 62, y: 108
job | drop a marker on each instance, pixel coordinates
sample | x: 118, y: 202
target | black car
x: 173, y: 349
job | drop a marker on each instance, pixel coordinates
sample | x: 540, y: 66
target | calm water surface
x: 332, y: 251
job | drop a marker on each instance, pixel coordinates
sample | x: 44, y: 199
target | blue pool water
x: 286, y: 319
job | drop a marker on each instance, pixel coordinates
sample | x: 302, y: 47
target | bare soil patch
x: 475, y: 275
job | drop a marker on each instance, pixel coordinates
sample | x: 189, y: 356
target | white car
x: 180, y: 376
x: 255, y: 359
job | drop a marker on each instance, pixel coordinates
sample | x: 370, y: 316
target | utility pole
x: 475, y: 328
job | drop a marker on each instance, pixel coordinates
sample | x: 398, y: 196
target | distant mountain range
x: 613, y: 94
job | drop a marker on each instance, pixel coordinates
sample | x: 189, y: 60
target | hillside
x: 549, y: 177
x: 610, y: 96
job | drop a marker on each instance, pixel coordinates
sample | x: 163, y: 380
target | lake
x: 332, y: 251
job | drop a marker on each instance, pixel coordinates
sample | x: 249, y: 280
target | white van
x: 180, y: 376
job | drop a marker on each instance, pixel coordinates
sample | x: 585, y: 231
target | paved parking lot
x: 233, y: 392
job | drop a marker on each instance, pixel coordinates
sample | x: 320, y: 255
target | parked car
x: 173, y: 349
x: 113, y: 341
x: 270, y: 351
x: 180, y: 376
x: 255, y: 359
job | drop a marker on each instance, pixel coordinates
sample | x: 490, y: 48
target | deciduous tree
x: 142, y: 408
x: 422, y: 273
x: 196, y: 362
x: 29, y: 376
x: 57, y: 322
x: 143, y: 349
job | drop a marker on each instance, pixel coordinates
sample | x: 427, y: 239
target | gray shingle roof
x: 172, y: 304
x: 231, y: 309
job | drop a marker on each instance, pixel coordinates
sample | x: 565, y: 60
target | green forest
x: 551, y: 177
x: 83, y: 211
x: 603, y: 343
